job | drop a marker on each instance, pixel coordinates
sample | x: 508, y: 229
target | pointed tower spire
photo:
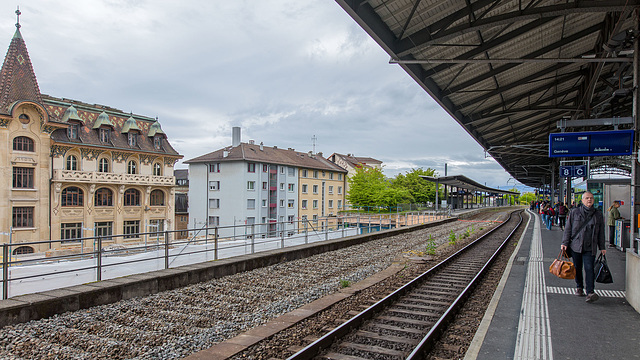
x: 17, y: 78
x: 17, y: 34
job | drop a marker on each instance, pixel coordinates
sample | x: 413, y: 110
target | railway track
x: 407, y: 323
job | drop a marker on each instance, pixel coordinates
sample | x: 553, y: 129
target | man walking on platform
x: 584, y: 235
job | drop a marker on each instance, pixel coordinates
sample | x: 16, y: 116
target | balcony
x: 111, y: 178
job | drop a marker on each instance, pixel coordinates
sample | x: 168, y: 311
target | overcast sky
x: 284, y: 71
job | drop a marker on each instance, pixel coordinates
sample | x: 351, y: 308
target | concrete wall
x: 632, y: 276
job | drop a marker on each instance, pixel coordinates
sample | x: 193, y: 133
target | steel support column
x: 552, y: 194
x: 635, y: 169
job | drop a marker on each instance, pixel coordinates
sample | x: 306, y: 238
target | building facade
x: 351, y: 163
x: 76, y: 170
x: 182, y: 201
x: 248, y: 184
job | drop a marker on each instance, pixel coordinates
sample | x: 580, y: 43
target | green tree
x: 527, y: 198
x: 421, y: 191
x: 366, y: 186
x: 513, y: 199
x: 392, y: 196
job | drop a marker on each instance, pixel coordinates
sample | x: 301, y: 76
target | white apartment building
x: 253, y: 184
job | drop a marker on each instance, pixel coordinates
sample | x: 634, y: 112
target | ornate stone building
x: 76, y: 170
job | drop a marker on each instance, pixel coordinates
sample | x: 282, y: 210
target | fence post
x: 215, y: 243
x: 166, y: 250
x: 99, y: 260
x: 306, y: 232
x: 5, y: 271
x: 253, y: 238
x: 282, y: 235
x: 369, y: 223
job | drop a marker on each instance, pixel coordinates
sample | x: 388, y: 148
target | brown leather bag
x: 562, y: 267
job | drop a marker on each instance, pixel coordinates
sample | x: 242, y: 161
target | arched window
x: 22, y: 143
x: 103, y: 165
x: 132, y: 197
x: 23, y: 250
x: 72, y: 162
x: 157, y: 169
x: 72, y: 196
x: 103, y: 197
x: 157, y: 198
x: 132, y: 167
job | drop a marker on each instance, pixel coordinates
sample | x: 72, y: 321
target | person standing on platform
x: 614, y: 214
x: 544, y: 213
x: 584, y: 235
x: 562, y: 215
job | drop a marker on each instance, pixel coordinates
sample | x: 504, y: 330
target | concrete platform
x: 534, y: 315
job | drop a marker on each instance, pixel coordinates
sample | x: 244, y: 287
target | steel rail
x: 328, y: 339
x: 432, y: 336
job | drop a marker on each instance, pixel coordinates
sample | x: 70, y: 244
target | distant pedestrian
x: 544, y: 213
x: 614, y: 214
x: 584, y: 235
x: 550, y: 216
x: 562, y: 215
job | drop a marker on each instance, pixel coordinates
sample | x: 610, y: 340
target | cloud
x: 287, y: 72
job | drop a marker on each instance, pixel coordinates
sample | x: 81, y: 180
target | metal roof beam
x: 561, y: 124
x: 516, y: 99
x: 425, y: 34
x: 425, y: 37
x: 488, y: 45
x: 532, y: 55
x: 521, y: 82
x: 530, y: 127
x: 527, y: 117
x: 514, y: 61
x: 559, y: 107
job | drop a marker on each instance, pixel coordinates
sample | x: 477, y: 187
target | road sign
x: 593, y: 143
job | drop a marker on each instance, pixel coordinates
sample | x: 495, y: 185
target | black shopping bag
x: 603, y: 275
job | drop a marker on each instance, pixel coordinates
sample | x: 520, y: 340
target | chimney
x: 235, y: 136
x: 261, y: 146
x: 251, y: 142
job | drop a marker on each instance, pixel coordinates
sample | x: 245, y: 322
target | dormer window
x: 157, y: 142
x: 105, y: 135
x: 132, y: 139
x: 72, y: 131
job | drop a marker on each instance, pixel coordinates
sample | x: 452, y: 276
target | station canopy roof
x: 509, y: 70
x: 463, y: 182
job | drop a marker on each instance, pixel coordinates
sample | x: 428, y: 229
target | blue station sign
x: 593, y: 143
x: 573, y: 171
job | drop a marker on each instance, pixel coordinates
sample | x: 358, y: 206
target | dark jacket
x: 575, y: 219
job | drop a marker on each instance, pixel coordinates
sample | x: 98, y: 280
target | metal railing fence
x: 120, y: 255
